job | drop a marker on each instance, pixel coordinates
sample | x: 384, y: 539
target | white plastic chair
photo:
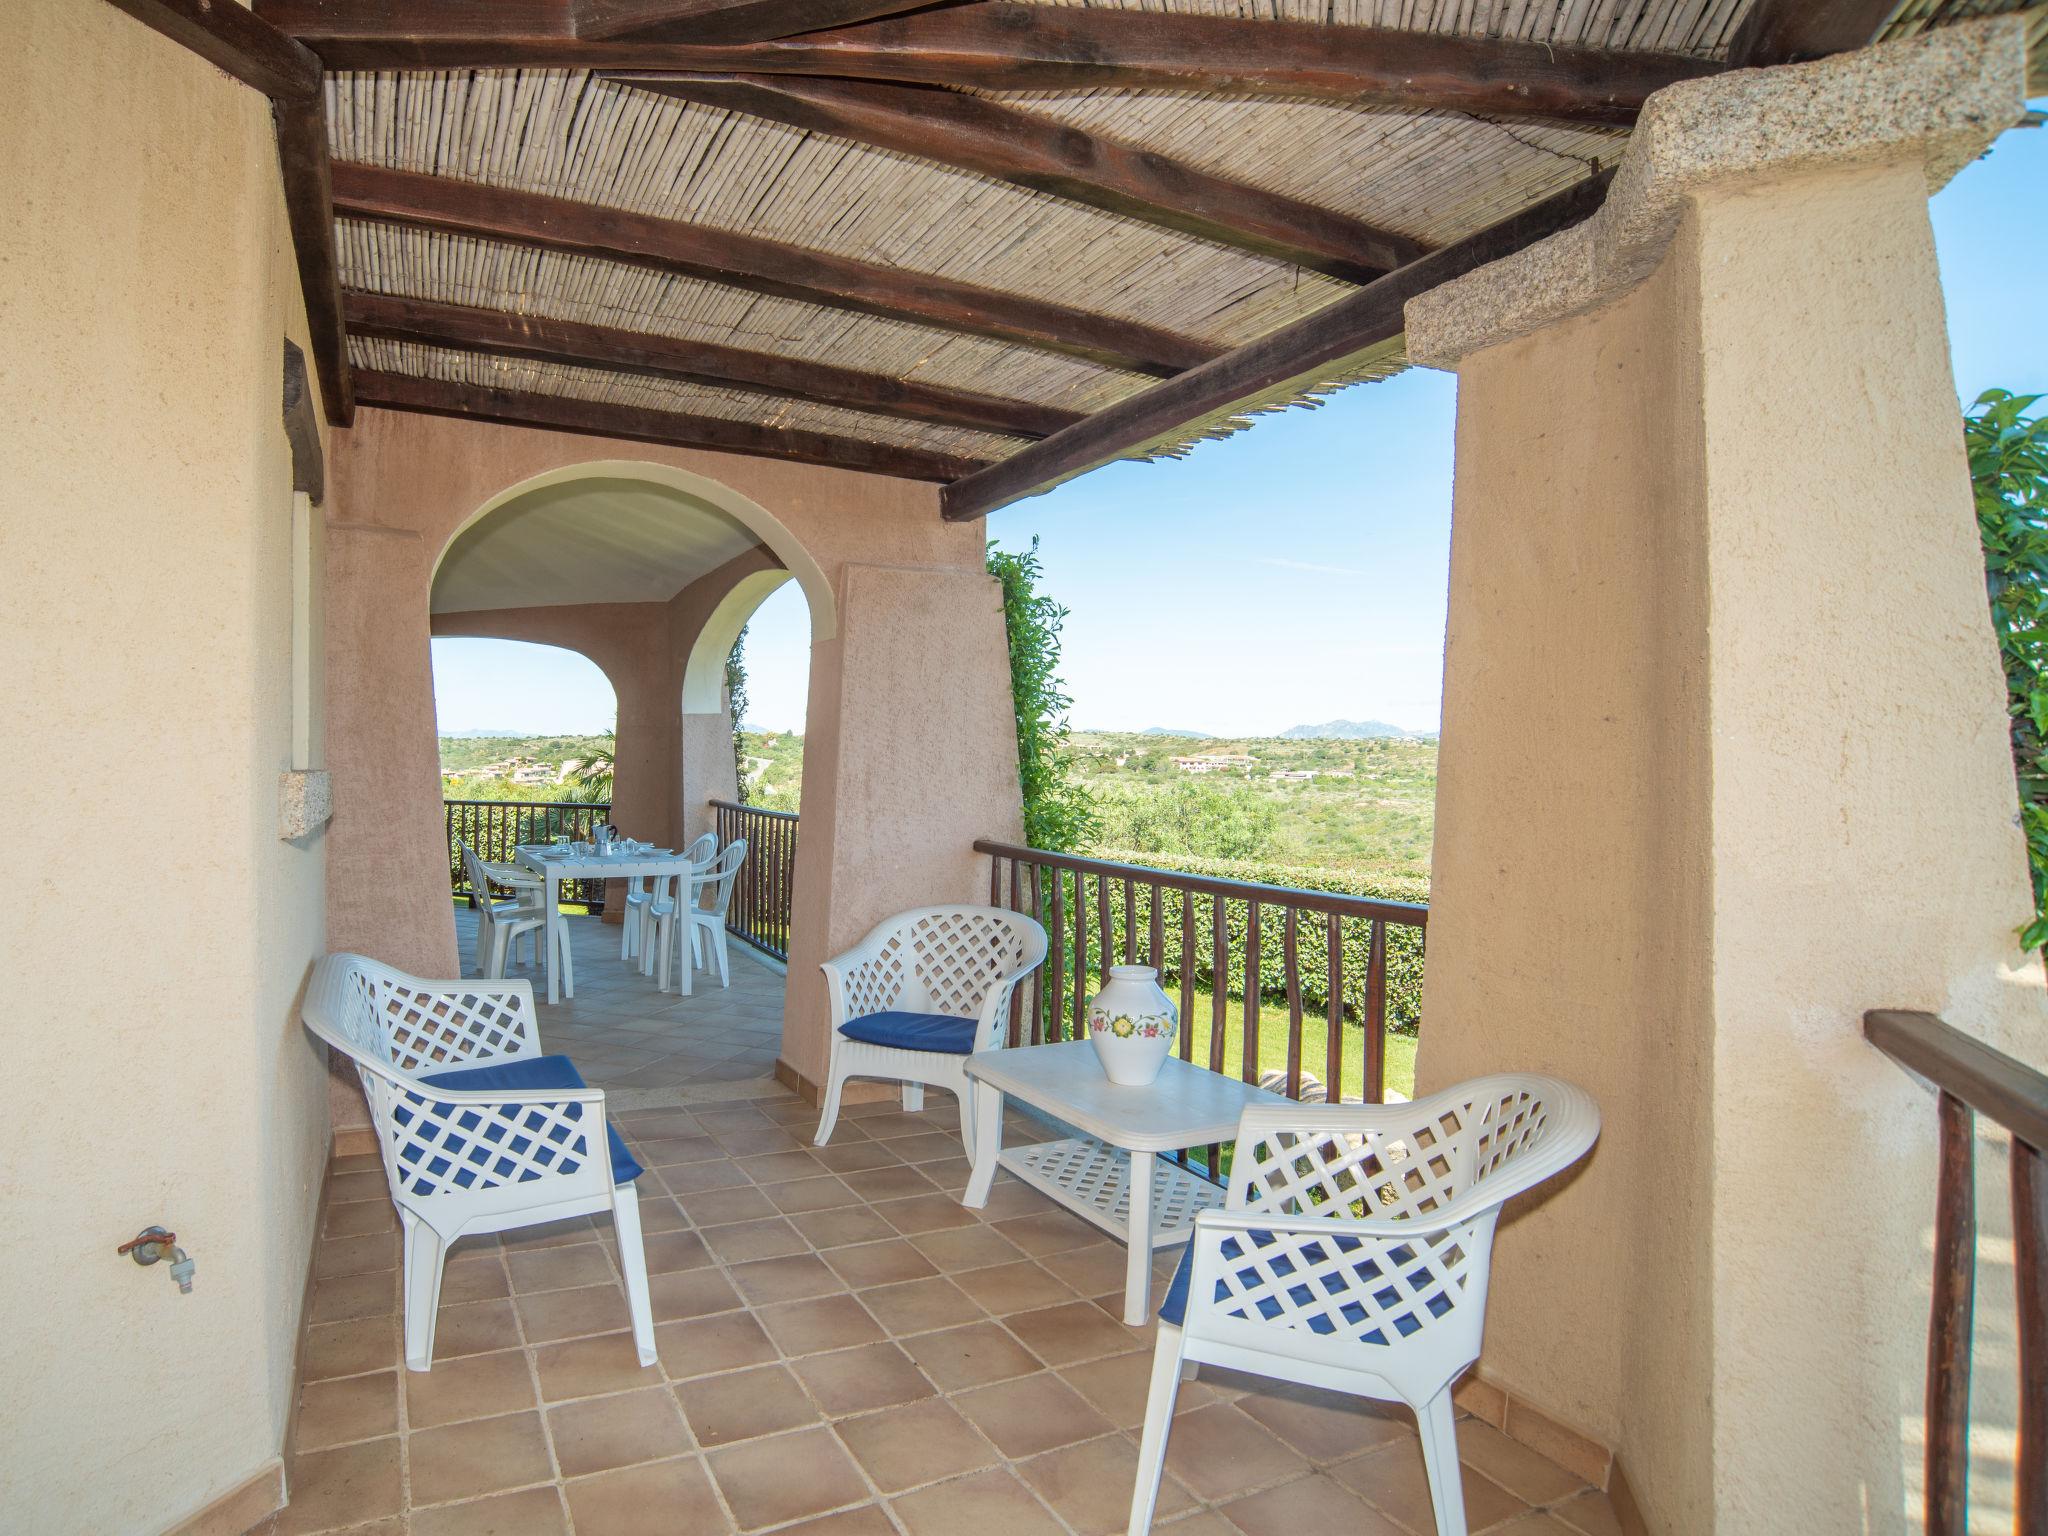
x: 478, y: 1131
x: 528, y: 890
x: 711, y: 882
x: 919, y: 995
x: 1352, y: 1254
x: 500, y: 925
x: 646, y: 896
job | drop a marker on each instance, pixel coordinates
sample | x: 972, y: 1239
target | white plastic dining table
x: 1110, y: 1175
x: 554, y: 865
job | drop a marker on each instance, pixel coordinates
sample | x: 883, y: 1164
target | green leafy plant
x: 736, y: 709
x: 2009, y: 469
x: 590, y: 779
x: 1057, y: 811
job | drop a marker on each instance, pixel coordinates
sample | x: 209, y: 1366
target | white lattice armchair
x: 919, y: 995
x: 478, y: 1131
x: 1352, y: 1253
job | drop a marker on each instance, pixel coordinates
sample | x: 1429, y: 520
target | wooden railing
x: 1326, y: 972
x: 1972, y: 1079
x: 495, y: 827
x: 759, y: 912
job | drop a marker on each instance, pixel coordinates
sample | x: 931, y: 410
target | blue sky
x: 1296, y: 572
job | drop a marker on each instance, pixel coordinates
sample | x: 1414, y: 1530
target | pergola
x: 984, y: 244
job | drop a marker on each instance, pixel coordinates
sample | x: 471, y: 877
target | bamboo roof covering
x: 927, y: 241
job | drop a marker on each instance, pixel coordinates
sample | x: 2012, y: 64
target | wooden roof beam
x: 1295, y: 356
x: 971, y: 133
x: 759, y: 266
x: 539, y: 23
x: 1788, y: 31
x: 564, y: 413
x: 504, y: 334
x: 725, y: 21
x: 995, y: 45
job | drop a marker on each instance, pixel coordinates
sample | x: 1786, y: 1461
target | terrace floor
x: 845, y: 1350
x: 650, y: 1047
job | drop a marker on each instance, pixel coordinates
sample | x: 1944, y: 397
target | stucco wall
x: 1569, y: 884
x: 159, y: 931
x: 1724, y: 766
x: 404, y: 484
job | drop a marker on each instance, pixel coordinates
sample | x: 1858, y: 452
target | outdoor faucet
x: 154, y: 1243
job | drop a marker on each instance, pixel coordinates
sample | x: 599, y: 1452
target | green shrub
x: 1057, y: 814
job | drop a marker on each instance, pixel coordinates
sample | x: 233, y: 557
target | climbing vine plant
x: 2008, y: 450
x: 1057, y: 813
x: 736, y: 708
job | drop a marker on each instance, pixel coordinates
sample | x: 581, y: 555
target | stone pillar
x: 910, y: 755
x: 1724, y: 765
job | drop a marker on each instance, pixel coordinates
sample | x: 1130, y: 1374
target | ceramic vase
x: 1132, y: 1022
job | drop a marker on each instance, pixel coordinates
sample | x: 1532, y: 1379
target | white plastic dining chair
x: 678, y: 918
x: 649, y: 891
x: 500, y: 925
x: 1352, y: 1253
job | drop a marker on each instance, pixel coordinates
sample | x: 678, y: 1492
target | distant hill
x: 1161, y: 730
x: 1350, y: 730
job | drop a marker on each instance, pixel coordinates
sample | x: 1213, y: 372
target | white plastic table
x: 554, y: 865
x: 1109, y: 1176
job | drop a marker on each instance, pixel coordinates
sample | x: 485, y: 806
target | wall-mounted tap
x: 154, y: 1243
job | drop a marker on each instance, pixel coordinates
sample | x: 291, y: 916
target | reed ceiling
x: 984, y: 244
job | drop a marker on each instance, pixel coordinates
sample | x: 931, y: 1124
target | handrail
x: 495, y: 827
x: 1343, y: 905
x: 751, y: 810
x: 1972, y: 1078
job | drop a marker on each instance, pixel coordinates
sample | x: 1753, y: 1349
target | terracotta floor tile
x: 366, y: 1184
x: 771, y: 1168
x: 745, y: 1241
x: 1326, y: 1426
x: 969, y: 1247
x: 919, y: 1443
x: 669, y: 1251
x: 1220, y: 1453
x: 789, y: 1477
x: 1006, y: 1288
x: 555, y: 1315
x: 560, y: 1269
x: 476, y: 1457
x: 1590, y: 1514
x: 332, y: 1488
x: 345, y: 1297
x: 529, y: 1512
x: 722, y: 1207
x: 1089, y: 1486
x: 1203, y: 1522
x: 690, y: 1293
x: 786, y: 1279
x: 845, y: 1157
x: 1092, y: 1269
x: 858, y: 1380
x: 601, y: 1433
x: 703, y: 1178
x: 475, y: 1328
x: 926, y: 1213
x: 865, y: 1520
x: 1069, y: 1334
x: 819, y: 1324
x: 353, y: 1220
x: 824, y: 1193
x: 1313, y: 1503
x: 920, y: 1306
x: 474, y: 1279
x: 705, y: 1345
x: 1031, y: 1414
x: 1536, y: 1523
x: 885, y: 1263
x: 1530, y: 1477
x: 664, y: 1498
x: 891, y: 1181
x: 584, y: 1367
x: 1048, y: 1231
x: 837, y: 1229
x: 972, y: 1356
x: 548, y: 1234
x: 348, y: 1349
x: 991, y: 1503
x: 742, y: 1405
x: 356, y: 1255
x: 474, y: 1387
x: 351, y: 1408
x: 668, y: 1151
x: 747, y: 1141
x: 1392, y: 1480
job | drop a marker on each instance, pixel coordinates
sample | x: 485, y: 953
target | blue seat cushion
x: 1174, y: 1309
x: 914, y: 1031
x: 513, y: 1132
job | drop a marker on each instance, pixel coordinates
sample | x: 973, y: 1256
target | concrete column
x: 1724, y: 765
x: 910, y: 754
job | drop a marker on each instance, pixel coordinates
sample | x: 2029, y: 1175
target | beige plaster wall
x: 405, y: 483
x: 1569, y: 884
x: 1724, y: 766
x: 145, y: 561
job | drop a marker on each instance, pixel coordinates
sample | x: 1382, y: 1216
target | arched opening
x: 650, y: 573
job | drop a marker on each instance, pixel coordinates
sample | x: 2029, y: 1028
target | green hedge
x: 1404, y: 943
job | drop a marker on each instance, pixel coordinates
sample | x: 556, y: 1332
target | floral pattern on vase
x: 1132, y: 1023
